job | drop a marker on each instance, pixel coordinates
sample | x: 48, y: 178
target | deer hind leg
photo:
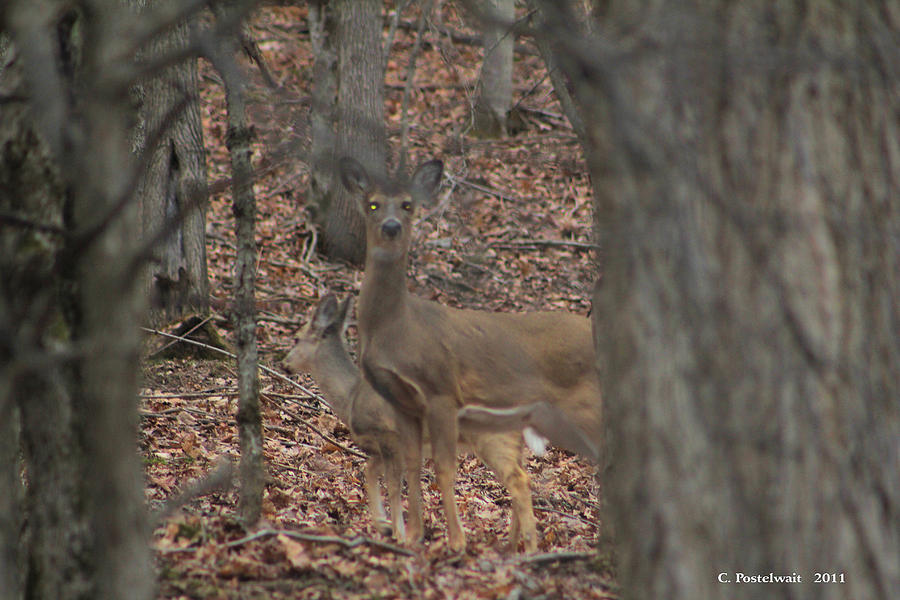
x: 373, y: 470
x: 441, y: 419
x: 502, y: 453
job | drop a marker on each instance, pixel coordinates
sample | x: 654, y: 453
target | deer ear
x: 344, y: 311
x: 353, y: 175
x: 326, y: 312
x: 426, y: 181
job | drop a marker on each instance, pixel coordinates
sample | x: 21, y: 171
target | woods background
x: 744, y: 164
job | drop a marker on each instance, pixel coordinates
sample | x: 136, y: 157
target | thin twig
x: 270, y: 371
x: 12, y: 219
x: 186, y: 395
x: 315, y: 429
x: 218, y: 479
x: 565, y: 514
x: 513, y: 244
x: 548, y: 557
x: 320, y: 539
x: 481, y: 188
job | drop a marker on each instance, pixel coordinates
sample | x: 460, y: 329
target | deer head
x: 387, y: 207
x: 328, y: 321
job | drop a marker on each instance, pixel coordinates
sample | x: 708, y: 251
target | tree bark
x: 745, y: 161
x: 239, y: 141
x: 359, y: 131
x: 109, y: 307
x: 748, y: 166
x: 70, y: 298
x: 42, y: 560
x: 173, y: 190
x: 495, y: 87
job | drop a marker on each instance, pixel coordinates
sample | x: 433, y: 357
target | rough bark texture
x: 495, y: 87
x: 354, y: 36
x: 173, y: 190
x: 70, y: 304
x: 748, y: 169
x: 239, y: 139
x: 42, y: 560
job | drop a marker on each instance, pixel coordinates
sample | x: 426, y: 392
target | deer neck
x: 383, y: 293
x: 336, y: 376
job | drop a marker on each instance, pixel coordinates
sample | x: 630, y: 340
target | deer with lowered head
x: 393, y: 440
x: 430, y: 360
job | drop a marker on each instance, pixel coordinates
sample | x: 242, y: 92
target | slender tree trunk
x: 239, y: 139
x: 173, y: 190
x: 354, y: 35
x: 495, y: 87
x: 748, y: 166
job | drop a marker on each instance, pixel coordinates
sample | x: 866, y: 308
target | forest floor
x: 511, y: 232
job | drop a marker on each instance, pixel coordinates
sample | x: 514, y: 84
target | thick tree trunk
x: 71, y: 302
x: 495, y: 87
x: 109, y: 307
x: 748, y: 164
x: 42, y: 560
x: 173, y: 190
x: 354, y: 36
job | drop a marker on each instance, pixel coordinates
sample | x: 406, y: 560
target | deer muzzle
x: 391, y: 228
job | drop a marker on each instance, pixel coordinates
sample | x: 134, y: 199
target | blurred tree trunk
x: 746, y: 163
x: 350, y: 43
x: 173, y: 191
x: 41, y: 555
x: 494, y: 98
x: 105, y: 225
x: 71, y: 299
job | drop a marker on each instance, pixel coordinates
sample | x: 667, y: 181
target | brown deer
x: 392, y: 439
x: 429, y: 360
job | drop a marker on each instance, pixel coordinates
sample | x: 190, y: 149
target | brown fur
x: 394, y: 440
x: 429, y: 360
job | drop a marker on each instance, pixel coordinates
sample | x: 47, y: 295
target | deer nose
x: 391, y: 228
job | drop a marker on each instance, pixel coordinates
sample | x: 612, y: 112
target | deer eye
x: 373, y: 206
x: 406, y: 205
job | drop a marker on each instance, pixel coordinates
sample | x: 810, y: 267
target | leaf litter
x: 488, y: 244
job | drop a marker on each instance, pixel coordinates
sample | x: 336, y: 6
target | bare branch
x: 216, y: 480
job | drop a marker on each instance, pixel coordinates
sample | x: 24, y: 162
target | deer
x: 391, y: 440
x: 429, y: 360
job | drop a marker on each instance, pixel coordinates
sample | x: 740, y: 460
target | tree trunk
x: 239, y: 141
x: 495, y: 87
x: 173, y: 190
x: 747, y: 165
x: 354, y: 35
x: 42, y: 560
x: 11, y: 567
x: 70, y: 301
x: 109, y: 307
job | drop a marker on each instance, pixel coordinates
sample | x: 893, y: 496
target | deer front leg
x: 411, y: 430
x: 373, y: 469
x: 393, y: 475
x: 441, y: 419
